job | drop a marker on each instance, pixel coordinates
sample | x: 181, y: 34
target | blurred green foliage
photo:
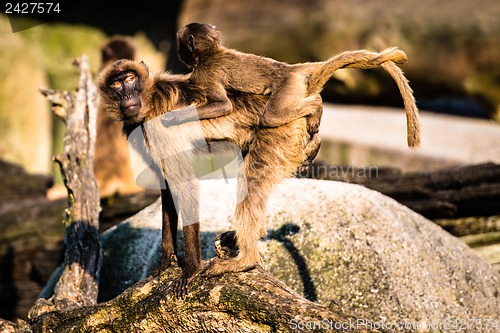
x: 41, y: 56
x: 24, y: 121
x: 59, y: 44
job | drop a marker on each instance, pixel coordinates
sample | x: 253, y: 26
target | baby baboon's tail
x: 363, y: 59
x: 412, y: 121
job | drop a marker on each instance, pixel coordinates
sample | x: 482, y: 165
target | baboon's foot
x: 218, y: 266
x: 181, y: 285
x: 303, y: 168
x: 311, y: 149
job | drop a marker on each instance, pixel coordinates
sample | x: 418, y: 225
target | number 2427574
x: 32, y: 7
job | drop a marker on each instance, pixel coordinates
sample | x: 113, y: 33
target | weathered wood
x: 31, y: 237
x: 479, y: 240
x: 252, y: 301
x: 472, y: 190
x: 78, y: 284
x: 470, y: 225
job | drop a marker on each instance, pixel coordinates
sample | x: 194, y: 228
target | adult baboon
x: 130, y: 95
x: 270, y: 154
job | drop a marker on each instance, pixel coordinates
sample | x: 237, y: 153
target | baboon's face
x: 127, y: 88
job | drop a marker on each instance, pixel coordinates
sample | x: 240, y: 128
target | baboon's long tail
x: 363, y: 59
x: 412, y: 121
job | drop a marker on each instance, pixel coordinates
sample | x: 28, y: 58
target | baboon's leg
x: 311, y: 148
x: 192, y: 253
x: 189, y: 208
x: 250, y: 227
x: 188, y: 196
x: 275, y: 155
x: 169, y: 230
x: 192, y: 248
x: 287, y: 101
x: 315, y: 105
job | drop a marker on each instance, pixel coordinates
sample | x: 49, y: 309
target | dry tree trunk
x: 77, y: 285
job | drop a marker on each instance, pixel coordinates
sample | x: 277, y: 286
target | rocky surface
x: 335, y: 242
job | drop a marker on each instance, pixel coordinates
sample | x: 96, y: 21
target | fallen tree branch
x: 472, y: 190
x: 252, y: 301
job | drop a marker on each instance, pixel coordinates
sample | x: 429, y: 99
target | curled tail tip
x: 414, y: 145
x: 401, y: 57
x: 397, y: 56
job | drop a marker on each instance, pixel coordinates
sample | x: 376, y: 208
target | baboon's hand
x: 181, y: 287
x: 225, y: 245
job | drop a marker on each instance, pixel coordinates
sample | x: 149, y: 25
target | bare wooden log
x: 77, y: 285
x: 470, y: 225
x: 472, y: 190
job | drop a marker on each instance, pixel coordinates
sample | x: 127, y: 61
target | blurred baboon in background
x: 117, y: 47
x: 112, y: 162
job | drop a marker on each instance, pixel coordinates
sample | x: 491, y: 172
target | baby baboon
x: 270, y: 153
x: 289, y: 86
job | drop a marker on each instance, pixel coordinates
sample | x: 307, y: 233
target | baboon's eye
x: 116, y: 84
x: 130, y: 78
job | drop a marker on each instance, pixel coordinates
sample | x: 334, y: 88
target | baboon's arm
x: 217, y: 105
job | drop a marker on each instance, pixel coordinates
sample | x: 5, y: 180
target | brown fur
x: 290, y: 86
x: 112, y: 162
x: 271, y: 153
x: 117, y: 47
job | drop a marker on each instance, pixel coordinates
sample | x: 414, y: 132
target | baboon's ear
x: 143, y: 64
x: 190, y: 43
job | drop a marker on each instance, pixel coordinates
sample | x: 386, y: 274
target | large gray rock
x: 338, y: 242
